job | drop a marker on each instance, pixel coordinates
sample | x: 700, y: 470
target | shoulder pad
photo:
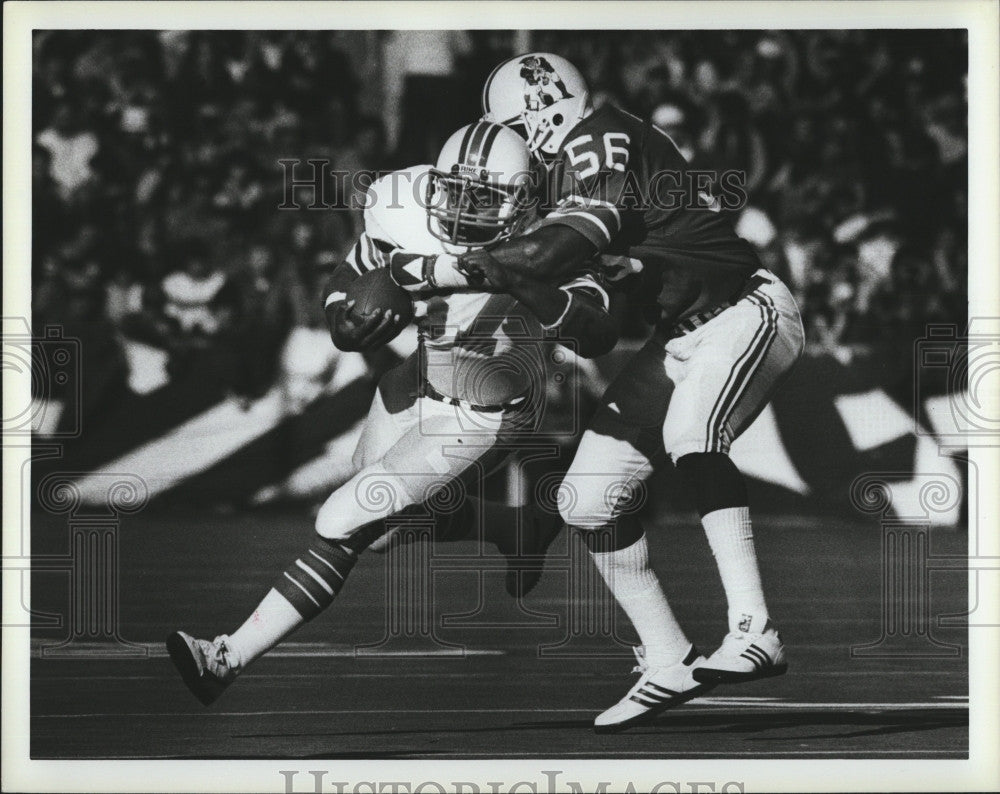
x: 395, y: 211
x: 390, y: 198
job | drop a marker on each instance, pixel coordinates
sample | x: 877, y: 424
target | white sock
x: 273, y: 620
x: 635, y: 586
x: 730, y: 534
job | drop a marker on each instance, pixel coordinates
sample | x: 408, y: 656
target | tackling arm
x: 575, y: 313
x: 550, y: 253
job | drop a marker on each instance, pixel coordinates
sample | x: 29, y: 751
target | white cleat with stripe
x: 745, y: 657
x: 657, y: 690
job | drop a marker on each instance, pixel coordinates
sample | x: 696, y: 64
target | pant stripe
x: 722, y: 394
x: 769, y: 316
x: 710, y: 440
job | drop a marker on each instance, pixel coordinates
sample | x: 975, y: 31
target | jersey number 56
x: 615, y: 154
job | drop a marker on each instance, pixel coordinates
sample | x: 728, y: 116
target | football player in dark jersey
x: 726, y: 332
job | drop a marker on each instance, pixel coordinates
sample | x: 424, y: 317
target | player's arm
x: 574, y: 313
x: 425, y: 275
x: 551, y: 252
x: 350, y: 330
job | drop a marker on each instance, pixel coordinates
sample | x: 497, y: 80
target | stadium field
x: 475, y: 675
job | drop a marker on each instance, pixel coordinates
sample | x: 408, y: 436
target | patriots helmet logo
x: 542, y: 85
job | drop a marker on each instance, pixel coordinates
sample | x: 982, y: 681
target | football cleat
x: 525, y: 569
x: 207, y: 667
x: 657, y: 690
x: 745, y: 657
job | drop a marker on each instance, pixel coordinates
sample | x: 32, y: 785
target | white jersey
x: 480, y: 347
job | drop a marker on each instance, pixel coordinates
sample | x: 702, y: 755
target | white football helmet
x: 480, y: 191
x: 544, y: 92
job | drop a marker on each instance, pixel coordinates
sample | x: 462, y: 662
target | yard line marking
x: 740, y: 699
x: 259, y: 676
x: 695, y: 702
x: 789, y: 704
x: 298, y: 650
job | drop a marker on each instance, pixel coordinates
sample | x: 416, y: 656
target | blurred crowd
x: 157, y: 183
x: 854, y: 146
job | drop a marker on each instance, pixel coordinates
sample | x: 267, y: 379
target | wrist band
x: 445, y: 275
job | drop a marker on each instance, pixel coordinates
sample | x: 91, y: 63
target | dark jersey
x: 623, y: 184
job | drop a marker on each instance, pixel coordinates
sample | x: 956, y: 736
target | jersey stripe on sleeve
x: 365, y: 255
x: 598, y: 221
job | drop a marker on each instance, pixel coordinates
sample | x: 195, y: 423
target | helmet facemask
x: 546, y: 130
x: 473, y: 211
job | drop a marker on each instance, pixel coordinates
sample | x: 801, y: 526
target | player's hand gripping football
x: 354, y: 331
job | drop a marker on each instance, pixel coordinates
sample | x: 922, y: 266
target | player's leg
x: 208, y: 666
x: 598, y: 500
x: 727, y: 370
x: 411, y: 471
x: 522, y: 533
x: 315, y: 577
x: 425, y: 458
x: 473, y: 517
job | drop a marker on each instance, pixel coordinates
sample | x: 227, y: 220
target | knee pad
x: 714, y: 481
x: 583, y: 507
x: 593, y: 502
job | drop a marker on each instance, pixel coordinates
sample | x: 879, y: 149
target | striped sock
x: 311, y: 582
x: 730, y: 534
x: 301, y: 593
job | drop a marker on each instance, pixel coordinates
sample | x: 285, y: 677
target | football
x: 376, y: 291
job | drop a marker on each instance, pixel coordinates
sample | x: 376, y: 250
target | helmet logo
x: 542, y: 85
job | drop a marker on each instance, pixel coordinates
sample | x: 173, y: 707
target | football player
x: 475, y: 377
x: 727, y: 331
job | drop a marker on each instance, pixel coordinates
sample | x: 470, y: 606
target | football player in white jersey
x: 476, y: 377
